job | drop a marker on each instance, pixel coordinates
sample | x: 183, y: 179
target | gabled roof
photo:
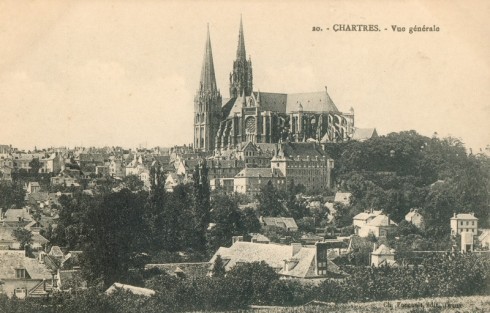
x: 384, y: 250
x: 361, y: 134
x: 13, y: 215
x: 311, y: 102
x: 287, y: 222
x: 10, y: 260
x: 366, y: 215
x: 301, y: 149
x: 381, y: 220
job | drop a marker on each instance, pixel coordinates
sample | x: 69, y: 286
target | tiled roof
x: 366, y: 215
x: 302, y: 149
x: 272, y: 254
x: 13, y: 215
x: 381, y: 220
x: 384, y: 250
x: 283, y: 103
x: 10, y: 260
x: 56, y: 251
x: 311, y: 102
x: 287, y: 222
x: 461, y: 216
x: 190, y: 270
x: 259, y: 172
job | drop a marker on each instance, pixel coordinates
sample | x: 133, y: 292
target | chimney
x: 236, y: 239
x: 295, y: 247
x: 375, y: 246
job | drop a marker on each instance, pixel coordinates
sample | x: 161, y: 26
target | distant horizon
x: 119, y: 73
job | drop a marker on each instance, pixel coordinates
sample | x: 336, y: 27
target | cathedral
x: 223, y: 124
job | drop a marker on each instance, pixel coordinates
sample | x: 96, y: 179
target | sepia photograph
x: 244, y: 156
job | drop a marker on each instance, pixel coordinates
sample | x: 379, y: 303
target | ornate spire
x: 241, y: 77
x: 208, y: 78
x: 240, y: 53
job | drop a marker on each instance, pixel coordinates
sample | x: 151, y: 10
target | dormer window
x: 21, y: 273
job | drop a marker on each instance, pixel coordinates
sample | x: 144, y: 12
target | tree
x: 253, y: 281
x: 227, y: 219
x: 34, y: 166
x: 270, y: 201
x: 115, y: 237
x: 23, y: 236
x: 201, y: 206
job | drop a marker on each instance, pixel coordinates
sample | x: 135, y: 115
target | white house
x: 379, y: 226
x: 415, y: 218
x: 382, y: 256
x: 464, y: 222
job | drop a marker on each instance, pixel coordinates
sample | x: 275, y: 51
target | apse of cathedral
x: 223, y: 124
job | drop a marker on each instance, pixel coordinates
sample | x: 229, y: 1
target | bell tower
x: 241, y: 79
x: 207, y: 104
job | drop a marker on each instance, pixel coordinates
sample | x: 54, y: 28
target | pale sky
x: 125, y: 73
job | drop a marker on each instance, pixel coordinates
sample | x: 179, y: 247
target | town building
x: 250, y: 181
x: 415, y: 218
x: 22, y: 276
x: 304, y: 163
x: 382, y: 256
x: 289, y: 261
x: 286, y: 223
x: 464, y: 222
x: 380, y: 226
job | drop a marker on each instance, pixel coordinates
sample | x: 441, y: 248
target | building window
x: 20, y: 273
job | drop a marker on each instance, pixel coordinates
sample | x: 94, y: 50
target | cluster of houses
x: 244, y: 170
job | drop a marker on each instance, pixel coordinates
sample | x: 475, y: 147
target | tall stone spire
x: 241, y: 77
x: 208, y: 78
x: 207, y: 104
x: 240, y: 53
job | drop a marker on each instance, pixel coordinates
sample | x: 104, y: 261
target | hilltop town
x: 279, y: 200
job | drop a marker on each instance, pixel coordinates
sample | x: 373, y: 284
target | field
x: 432, y: 305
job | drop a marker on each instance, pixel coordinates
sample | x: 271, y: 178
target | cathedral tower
x: 241, y: 79
x: 207, y: 104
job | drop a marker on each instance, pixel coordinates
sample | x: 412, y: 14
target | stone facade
x: 260, y: 117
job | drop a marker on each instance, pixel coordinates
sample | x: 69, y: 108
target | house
x: 415, y: 218
x: 22, y: 276
x: 16, y: 217
x: 183, y: 270
x: 250, y: 181
x: 66, y: 268
x: 51, y: 164
x: 286, y: 223
x: 382, y: 256
x: 171, y: 181
x: 464, y: 222
x: 133, y: 289
x: 379, y: 226
x: 484, y: 239
x: 33, y: 187
x: 289, y: 261
x: 363, y: 218
x: 304, y: 163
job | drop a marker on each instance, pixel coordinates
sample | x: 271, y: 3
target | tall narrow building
x: 207, y: 104
x: 241, y: 79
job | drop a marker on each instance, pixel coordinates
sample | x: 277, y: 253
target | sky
x: 124, y: 73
